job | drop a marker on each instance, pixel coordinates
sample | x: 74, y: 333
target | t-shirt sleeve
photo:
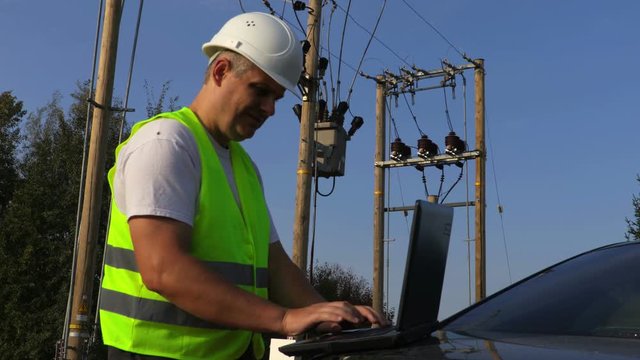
x: 158, y: 172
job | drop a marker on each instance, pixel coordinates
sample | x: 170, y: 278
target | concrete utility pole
x: 480, y: 263
x: 306, y: 155
x: 82, y: 288
x: 378, y: 198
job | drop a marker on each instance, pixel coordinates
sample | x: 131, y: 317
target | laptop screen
x: 425, y: 265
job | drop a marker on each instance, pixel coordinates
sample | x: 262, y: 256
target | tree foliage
x: 334, y: 283
x: 38, y: 233
x: 633, y: 225
x: 11, y: 114
x: 155, y: 107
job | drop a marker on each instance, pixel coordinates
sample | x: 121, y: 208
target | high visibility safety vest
x: 231, y: 239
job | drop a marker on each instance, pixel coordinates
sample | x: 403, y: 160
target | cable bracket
x: 111, y: 108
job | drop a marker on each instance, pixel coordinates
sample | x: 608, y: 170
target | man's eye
x: 260, y: 91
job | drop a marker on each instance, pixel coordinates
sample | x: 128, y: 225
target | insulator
x: 406, y: 151
x: 342, y: 107
x: 399, y: 150
x: 453, y: 144
x: 299, y: 5
x: 337, y: 115
x: 426, y: 147
x: 356, y: 123
x: 323, y: 63
x: 297, y: 109
x: 322, y: 110
x: 306, y: 45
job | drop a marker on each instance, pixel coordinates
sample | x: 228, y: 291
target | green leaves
x: 633, y: 225
x: 39, y: 219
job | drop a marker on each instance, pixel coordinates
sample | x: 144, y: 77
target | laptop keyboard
x: 356, y: 333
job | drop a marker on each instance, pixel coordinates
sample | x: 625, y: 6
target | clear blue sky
x: 562, y: 114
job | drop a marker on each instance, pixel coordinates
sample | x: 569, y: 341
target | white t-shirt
x: 158, y: 173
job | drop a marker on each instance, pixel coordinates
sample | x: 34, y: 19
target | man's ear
x: 219, y: 69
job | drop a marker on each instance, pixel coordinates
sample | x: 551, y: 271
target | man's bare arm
x: 288, y: 286
x: 161, y: 249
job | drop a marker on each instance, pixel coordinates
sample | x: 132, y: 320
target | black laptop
x: 420, y: 297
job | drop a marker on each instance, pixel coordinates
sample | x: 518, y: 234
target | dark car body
x: 586, y: 307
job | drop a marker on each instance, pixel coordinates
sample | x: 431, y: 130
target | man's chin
x: 248, y: 134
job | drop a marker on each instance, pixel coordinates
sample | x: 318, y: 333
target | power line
x: 393, y: 121
x: 333, y: 97
x: 370, y: 33
x: 464, y: 56
x: 500, y: 209
x: 353, y: 81
x: 415, y: 120
x: 344, y: 30
x: 299, y: 23
x: 446, y: 108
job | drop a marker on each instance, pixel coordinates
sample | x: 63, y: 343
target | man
x: 194, y: 266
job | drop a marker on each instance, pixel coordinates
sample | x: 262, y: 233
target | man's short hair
x: 239, y: 63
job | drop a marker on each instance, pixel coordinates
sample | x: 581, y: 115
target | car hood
x: 500, y: 346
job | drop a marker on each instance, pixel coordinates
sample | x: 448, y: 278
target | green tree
x: 37, y: 236
x: 155, y: 107
x: 334, y: 282
x: 11, y: 114
x: 633, y: 225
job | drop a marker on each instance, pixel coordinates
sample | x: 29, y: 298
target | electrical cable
x: 387, y: 241
x: 333, y: 90
x: 343, y: 62
x: 380, y: 41
x: 313, y: 230
x: 284, y: 7
x: 333, y: 187
x: 424, y: 183
x: 462, y: 54
x: 353, y: 81
x: 441, y: 182
x: 344, y: 29
x: 315, y: 207
x: 500, y: 209
x: 393, y: 121
x: 415, y: 120
x: 452, y: 186
x: 268, y: 5
x: 298, y: 19
x: 85, y: 147
x: 446, y: 108
x: 466, y: 164
x: 387, y: 173
x: 241, y: 6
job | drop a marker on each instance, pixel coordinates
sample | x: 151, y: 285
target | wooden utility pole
x: 82, y: 287
x: 306, y: 156
x: 480, y: 206
x: 378, y: 197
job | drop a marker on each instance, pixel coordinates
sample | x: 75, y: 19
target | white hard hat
x: 266, y: 41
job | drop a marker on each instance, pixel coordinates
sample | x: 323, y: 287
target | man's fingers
x: 327, y: 317
x: 373, y: 316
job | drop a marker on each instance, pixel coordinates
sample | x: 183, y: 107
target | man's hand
x: 327, y: 316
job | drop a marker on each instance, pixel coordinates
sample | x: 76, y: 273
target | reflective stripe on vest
x: 136, y: 319
x: 238, y: 274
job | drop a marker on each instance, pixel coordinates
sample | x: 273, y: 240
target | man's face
x: 250, y: 99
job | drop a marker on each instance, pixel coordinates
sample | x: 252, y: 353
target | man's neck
x: 207, y: 120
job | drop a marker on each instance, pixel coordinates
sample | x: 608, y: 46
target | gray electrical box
x: 331, y: 147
